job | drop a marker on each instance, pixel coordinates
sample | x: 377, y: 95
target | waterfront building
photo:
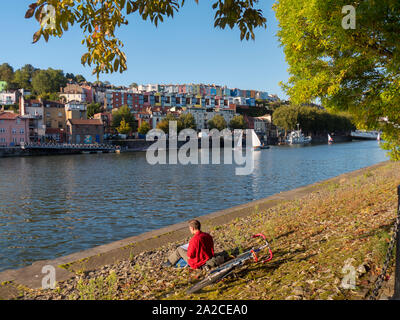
x: 85, y: 131
x: 14, y: 129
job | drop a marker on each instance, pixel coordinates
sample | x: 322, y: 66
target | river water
x: 56, y: 205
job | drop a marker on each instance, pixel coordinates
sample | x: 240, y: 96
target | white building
x: 8, y: 98
x: 202, y: 116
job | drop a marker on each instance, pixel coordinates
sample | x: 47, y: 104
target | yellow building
x: 54, y: 115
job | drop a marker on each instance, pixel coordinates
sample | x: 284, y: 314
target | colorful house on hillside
x: 14, y: 129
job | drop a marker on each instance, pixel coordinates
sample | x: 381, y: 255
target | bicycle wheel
x: 209, y: 280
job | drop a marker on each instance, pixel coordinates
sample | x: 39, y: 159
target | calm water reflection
x: 53, y: 206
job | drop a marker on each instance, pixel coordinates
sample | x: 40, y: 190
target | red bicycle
x: 227, y: 268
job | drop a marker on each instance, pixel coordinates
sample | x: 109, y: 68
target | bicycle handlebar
x: 260, y: 235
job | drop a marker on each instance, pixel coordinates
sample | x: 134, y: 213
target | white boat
x: 255, y: 141
x: 365, y: 135
x: 296, y: 137
x: 379, y: 136
x: 330, y: 140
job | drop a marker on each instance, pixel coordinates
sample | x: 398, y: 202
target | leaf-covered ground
x: 343, y: 223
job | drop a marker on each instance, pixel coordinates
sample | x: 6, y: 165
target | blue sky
x: 184, y: 49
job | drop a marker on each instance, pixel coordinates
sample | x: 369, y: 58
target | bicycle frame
x: 239, y: 260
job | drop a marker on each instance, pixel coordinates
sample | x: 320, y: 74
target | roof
x: 8, y: 115
x: 96, y: 122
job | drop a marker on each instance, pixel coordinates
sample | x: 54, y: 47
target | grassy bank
x: 346, y: 221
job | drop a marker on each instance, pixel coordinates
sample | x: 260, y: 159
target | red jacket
x: 201, y: 248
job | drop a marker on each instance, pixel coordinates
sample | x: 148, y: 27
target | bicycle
x: 226, y: 268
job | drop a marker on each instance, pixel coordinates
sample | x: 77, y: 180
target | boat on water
x: 365, y: 135
x: 256, y: 143
x: 330, y: 140
x: 297, y: 137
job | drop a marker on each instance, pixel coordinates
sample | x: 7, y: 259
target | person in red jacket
x: 199, y: 250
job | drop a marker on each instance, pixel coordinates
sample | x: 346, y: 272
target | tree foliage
x: 311, y: 120
x: 6, y: 72
x: 124, y: 113
x: 355, y: 70
x: 99, y: 20
x: 144, y: 127
x: 186, y: 121
x: 92, y: 109
x: 124, y: 127
x: 217, y: 122
x: 23, y: 77
x: 237, y: 122
x: 48, y: 81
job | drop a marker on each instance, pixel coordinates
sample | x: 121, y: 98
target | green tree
x: 217, y: 122
x: 124, y: 127
x: 79, y: 78
x: 100, y: 19
x: 355, y: 70
x: 312, y: 120
x: 144, y: 128
x: 286, y: 117
x: 92, y: 109
x: 70, y: 76
x: 124, y: 113
x: 237, y: 122
x: 23, y: 77
x: 164, y: 123
x: 48, y: 81
x: 6, y: 73
x: 186, y: 121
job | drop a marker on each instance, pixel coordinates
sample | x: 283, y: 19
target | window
x: 21, y: 140
x: 18, y: 121
x: 60, y: 114
x: 14, y: 131
x: 2, y: 130
x: 2, y: 139
x: 22, y: 131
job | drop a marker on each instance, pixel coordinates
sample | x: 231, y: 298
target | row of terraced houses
x: 59, y: 121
